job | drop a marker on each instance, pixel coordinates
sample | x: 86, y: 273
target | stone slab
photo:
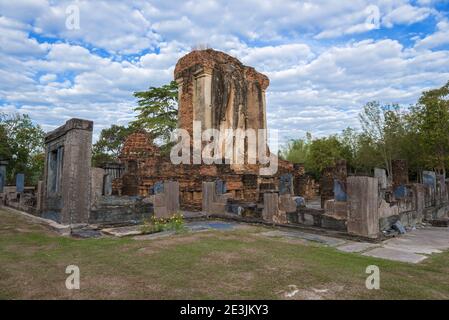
x: 123, y: 231
x: 207, y: 225
x: 395, y: 255
x: 421, y: 241
x: 153, y: 236
x: 330, y: 241
x: 357, y: 246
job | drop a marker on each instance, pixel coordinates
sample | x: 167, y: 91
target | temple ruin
x: 219, y: 92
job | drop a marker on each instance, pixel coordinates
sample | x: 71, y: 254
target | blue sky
x: 325, y: 59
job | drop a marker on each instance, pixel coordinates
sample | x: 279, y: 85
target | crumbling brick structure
x: 145, y: 166
x: 220, y: 92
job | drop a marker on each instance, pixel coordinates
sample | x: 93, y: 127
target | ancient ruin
x: 221, y: 93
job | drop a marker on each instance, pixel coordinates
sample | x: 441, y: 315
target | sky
x: 325, y: 59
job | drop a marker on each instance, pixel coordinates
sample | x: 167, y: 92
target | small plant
x: 175, y: 223
x: 146, y: 227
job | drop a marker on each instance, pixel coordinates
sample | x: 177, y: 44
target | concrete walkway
x: 413, y: 247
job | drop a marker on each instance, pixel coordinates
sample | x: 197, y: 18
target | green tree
x: 296, y: 151
x: 158, y: 111
x: 323, y: 152
x: 4, y: 148
x: 431, y: 117
x: 23, y: 145
x: 110, y: 143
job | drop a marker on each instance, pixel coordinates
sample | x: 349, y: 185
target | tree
x: 23, y: 145
x: 296, y: 151
x: 431, y: 117
x: 4, y: 148
x: 110, y: 143
x: 158, y: 111
x: 323, y: 152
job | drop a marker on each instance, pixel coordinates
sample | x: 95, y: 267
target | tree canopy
x: 158, y: 111
x: 22, y: 144
x: 110, y: 143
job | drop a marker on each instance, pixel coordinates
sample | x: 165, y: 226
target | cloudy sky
x: 325, y: 59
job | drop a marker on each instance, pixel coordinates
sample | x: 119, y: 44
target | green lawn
x: 237, y: 264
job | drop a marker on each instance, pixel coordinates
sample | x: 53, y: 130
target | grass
x: 238, y: 264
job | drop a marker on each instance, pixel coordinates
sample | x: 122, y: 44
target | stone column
x: 39, y: 195
x: 2, y: 175
x: 202, y: 103
x: 171, y: 190
x: 381, y: 175
x: 270, y: 206
x: 107, y: 185
x: 208, y: 196
x: 20, y: 182
x: 363, y: 218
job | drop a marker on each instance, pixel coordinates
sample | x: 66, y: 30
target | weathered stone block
x: 339, y: 190
x: 363, y: 218
x: 286, y: 203
x: 97, y: 180
x: 107, y: 184
x: 20, y: 182
x: 336, y: 208
x: 381, y: 175
x: 387, y: 210
x: 270, y: 206
x: 2, y: 175
x: 213, y: 203
x: 308, y: 219
x: 333, y: 223
x: 286, y: 184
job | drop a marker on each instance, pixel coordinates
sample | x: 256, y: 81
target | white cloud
x: 406, y: 14
x: 318, y: 81
x: 439, y: 38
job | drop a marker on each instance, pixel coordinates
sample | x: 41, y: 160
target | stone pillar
x: 202, y: 103
x: 339, y: 190
x: 286, y: 184
x: 39, y: 195
x: 20, y: 182
x: 2, y: 175
x: 166, y: 199
x: 67, y: 190
x: 213, y: 202
x: 270, y: 206
x: 381, y: 175
x: 363, y: 218
x: 97, y: 180
x: 420, y: 198
x: 107, y: 185
x: 208, y: 195
x: 340, y: 176
x: 171, y: 190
